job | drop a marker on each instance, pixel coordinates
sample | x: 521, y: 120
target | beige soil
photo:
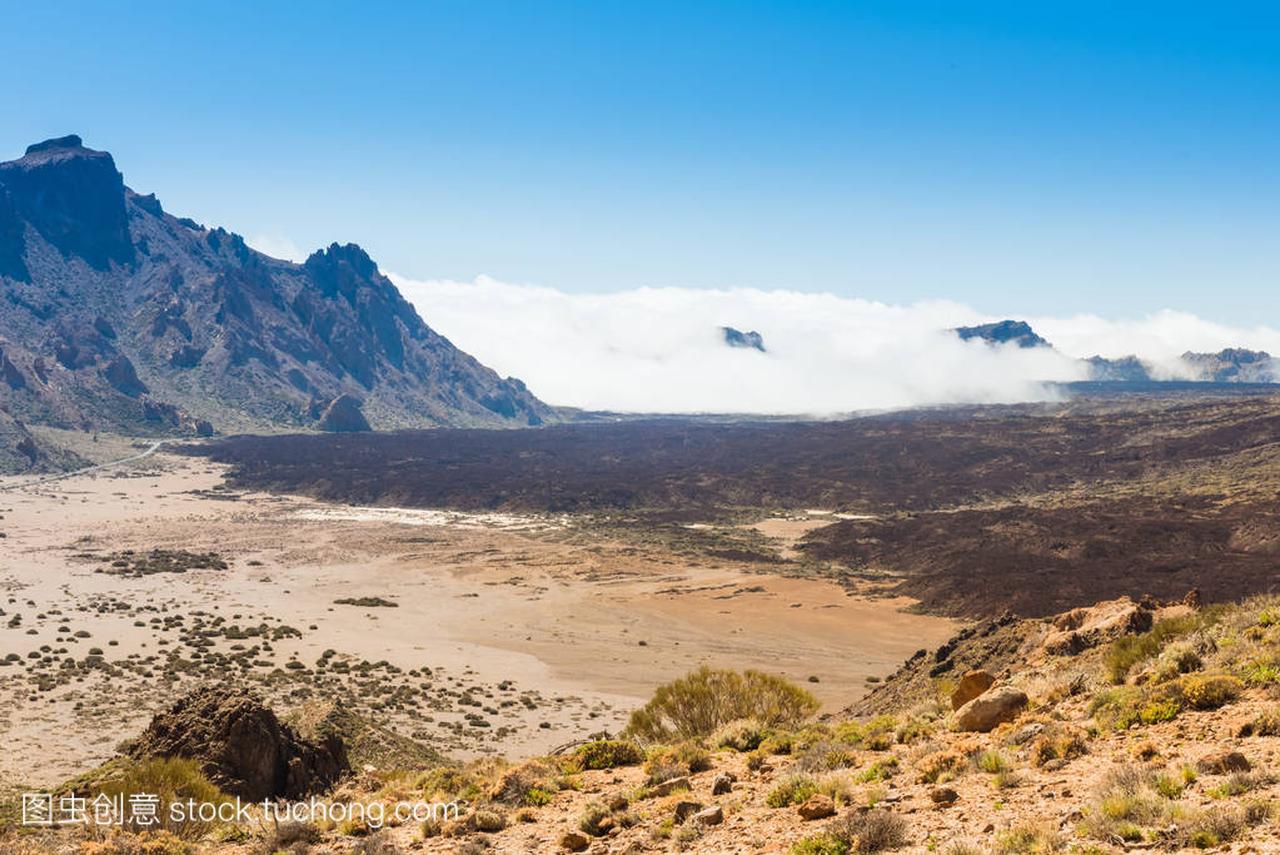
x: 498, y: 607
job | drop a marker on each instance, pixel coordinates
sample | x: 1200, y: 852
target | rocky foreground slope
x: 1127, y: 725
x: 115, y: 314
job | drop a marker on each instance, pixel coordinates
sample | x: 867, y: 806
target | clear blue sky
x: 1024, y: 157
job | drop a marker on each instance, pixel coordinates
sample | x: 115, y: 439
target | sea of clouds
x: 662, y: 349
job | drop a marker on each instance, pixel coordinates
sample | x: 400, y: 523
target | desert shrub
x: 880, y: 770
x: 1176, y: 659
x: 869, y: 831
x: 914, y: 729
x: 826, y: 756
x: 674, y: 761
x: 1128, y: 800
x: 122, y: 842
x: 292, y: 837
x: 446, y: 783
x: 596, y: 819
x: 820, y: 844
x: 991, y: 762
x: 778, y: 742
x: 792, y: 790
x: 1239, y: 783
x: 1128, y: 650
x: 173, y: 780
x: 1028, y: 839
x: 1059, y: 742
x: 1210, y: 827
x: 1265, y: 723
x: 698, y: 704
x: 609, y: 754
x: 876, y: 734
x: 1204, y: 692
x: 941, y: 766
x: 963, y: 847
x: 742, y: 735
x: 525, y: 784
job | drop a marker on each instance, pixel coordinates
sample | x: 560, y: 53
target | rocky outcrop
x: 343, y: 415
x: 242, y: 747
x: 74, y: 197
x: 738, y: 338
x: 1003, y: 332
x: 991, y: 709
x: 1080, y: 629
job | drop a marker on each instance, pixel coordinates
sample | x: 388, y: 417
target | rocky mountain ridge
x: 115, y: 314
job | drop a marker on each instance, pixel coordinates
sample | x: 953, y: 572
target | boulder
x: 943, y: 796
x: 242, y: 747
x: 713, y: 815
x: 991, y: 709
x: 722, y: 784
x: 574, y: 841
x: 817, y: 806
x: 972, y: 684
x: 1222, y: 762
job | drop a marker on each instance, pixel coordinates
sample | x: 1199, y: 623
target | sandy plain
x: 508, y: 634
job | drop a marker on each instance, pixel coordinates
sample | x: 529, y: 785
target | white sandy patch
x: 432, y: 517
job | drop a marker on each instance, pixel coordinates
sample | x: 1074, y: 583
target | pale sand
x: 482, y: 599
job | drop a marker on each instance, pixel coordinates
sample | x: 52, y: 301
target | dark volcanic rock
x: 1001, y: 332
x: 242, y: 746
x: 123, y: 378
x: 74, y: 196
x: 738, y: 338
x: 343, y: 415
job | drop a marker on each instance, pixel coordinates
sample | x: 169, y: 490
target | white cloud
x: 277, y: 247
x: 661, y: 350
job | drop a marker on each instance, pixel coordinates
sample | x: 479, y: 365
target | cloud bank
x: 661, y: 349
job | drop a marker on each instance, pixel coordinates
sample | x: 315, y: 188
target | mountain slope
x: 116, y: 314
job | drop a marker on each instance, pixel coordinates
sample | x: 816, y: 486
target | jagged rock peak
x: 69, y: 141
x: 1000, y: 332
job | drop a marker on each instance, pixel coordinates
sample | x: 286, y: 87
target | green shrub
x: 792, y: 791
x: 698, y: 704
x: 821, y: 844
x: 609, y: 754
x: 1127, y: 651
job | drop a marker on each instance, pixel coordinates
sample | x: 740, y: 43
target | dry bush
x: 1059, y: 741
x: 174, y: 781
x: 869, y: 831
x: 743, y: 735
x: 698, y: 704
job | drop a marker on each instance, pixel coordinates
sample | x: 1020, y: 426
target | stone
x: 817, y: 806
x: 943, y: 796
x: 713, y: 815
x: 574, y: 841
x: 972, y: 684
x: 722, y: 784
x: 1222, y: 762
x: 991, y: 709
x: 668, y: 787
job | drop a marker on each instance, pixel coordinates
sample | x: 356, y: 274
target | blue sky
x: 1023, y: 158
